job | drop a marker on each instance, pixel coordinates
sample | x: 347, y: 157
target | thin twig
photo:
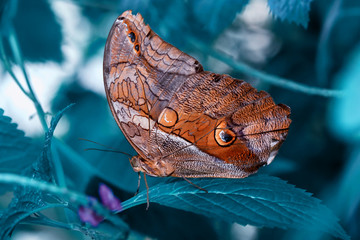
x: 15, y: 47
x: 322, y: 56
x: 7, y: 66
x: 277, y: 81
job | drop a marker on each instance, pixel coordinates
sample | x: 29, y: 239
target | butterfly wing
x: 141, y: 72
x: 183, y: 121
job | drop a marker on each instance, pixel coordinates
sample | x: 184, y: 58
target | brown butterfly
x: 184, y: 121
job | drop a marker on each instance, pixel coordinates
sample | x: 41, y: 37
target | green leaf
x: 16, y: 150
x: 259, y: 200
x: 291, y: 10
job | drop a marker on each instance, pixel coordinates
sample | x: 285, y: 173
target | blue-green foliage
x: 29, y: 200
x: 344, y: 118
x: 217, y: 10
x: 344, y: 122
x: 208, y: 18
x: 34, y: 38
x: 296, y: 11
x: 259, y: 200
x: 16, y: 150
x: 321, y: 153
x: 26, y: 200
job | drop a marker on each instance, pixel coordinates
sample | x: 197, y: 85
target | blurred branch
x: 277, y: 81
x: 45, y: 221
x: 7, y: 66
x: 322, y: 58
x: 11, y: 37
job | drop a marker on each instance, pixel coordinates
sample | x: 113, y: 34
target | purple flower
x: 87, y: 213
x: 108, y: 199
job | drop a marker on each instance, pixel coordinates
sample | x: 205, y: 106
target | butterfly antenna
x: 109, y: 149
x: 84, y: 139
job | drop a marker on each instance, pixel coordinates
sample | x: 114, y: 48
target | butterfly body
x: 184, y: 121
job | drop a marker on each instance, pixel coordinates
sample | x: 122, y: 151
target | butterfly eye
x: 224, y: 136
x: 132, y: 37
x: 168, y: 117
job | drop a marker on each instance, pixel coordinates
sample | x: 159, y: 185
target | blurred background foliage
x: 62, y: 43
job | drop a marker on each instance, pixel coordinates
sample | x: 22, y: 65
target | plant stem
x: 277, y: 81
x: 14, y: 44
x: 8, y: 68
x: 322, y: 56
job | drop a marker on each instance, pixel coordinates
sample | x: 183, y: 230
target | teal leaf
x: 33, y: 196
x: 45, y: 167
x: 54, y: 121
x: 38, y: 31
x: 26, y: 200
x: 344, y: 117
x: 259, y: 200
x: 7, y: 13
x: 22, y: 207
x: 16, y: 150
x: 291, y: 10
x: 216, y: 15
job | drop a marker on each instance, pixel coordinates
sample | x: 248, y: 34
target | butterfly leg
x: 138, y: 187
x: 147, y: 193
x: 198, y: 187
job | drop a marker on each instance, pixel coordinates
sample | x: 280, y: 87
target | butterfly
x: 181, y: 120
